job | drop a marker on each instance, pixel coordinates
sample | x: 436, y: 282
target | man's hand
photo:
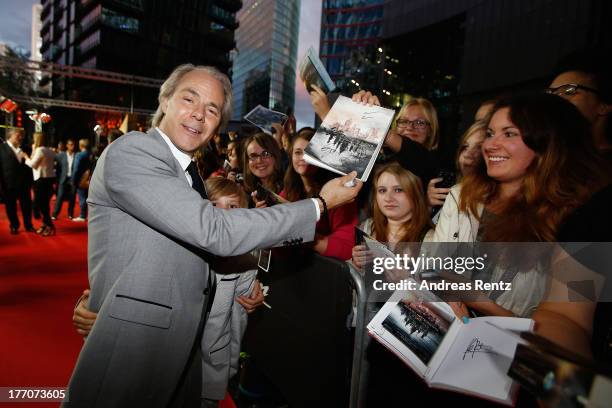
x: 366, y: 97
x: 335, y: 193
x: 319, y: 102
x: 254, y: 300
x: 83, y: 319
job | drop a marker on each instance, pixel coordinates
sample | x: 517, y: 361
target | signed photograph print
x: 349, y: 138
x: 419, y: 326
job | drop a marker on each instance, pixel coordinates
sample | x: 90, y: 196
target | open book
x: 349, y: 138
x: 471, y: 358
x: 312, y: 72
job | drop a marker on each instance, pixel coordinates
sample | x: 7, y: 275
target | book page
x: 479, y: 358
x: 412, y: 329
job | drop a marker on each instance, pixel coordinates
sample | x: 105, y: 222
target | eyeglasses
x: 416, y: 124
x: 265, y: 155
x: 570, y: 89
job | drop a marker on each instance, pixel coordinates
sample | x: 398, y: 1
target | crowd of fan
x: 532, y: 167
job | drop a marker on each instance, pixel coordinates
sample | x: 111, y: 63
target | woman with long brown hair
x: 335, y: 235
x: 262, y: 163
x: 539, y: 165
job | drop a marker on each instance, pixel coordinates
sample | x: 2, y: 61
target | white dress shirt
x: 42, y: 163
x: 70, y: 157
x: 183, y: 158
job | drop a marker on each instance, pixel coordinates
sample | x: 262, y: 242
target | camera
x: 448, y: 179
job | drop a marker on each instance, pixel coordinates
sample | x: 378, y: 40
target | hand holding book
x: 319, y: 102
x: 366, y: 98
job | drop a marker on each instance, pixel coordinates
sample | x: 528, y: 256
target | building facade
x: 145, y: 38
x: 265, y: 60
x: 350, y: 36
x: 460, y: 53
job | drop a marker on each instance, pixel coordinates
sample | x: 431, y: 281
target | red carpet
x: 40, y: 280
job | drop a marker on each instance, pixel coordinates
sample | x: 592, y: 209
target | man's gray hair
x: 170, y: 86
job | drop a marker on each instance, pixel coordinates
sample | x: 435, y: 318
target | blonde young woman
x: 469, y: 157
x: 42, y: 163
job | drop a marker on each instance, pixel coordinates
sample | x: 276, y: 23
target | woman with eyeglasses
x: 262, y: 164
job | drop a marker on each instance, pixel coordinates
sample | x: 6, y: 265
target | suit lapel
x: 168, y: 156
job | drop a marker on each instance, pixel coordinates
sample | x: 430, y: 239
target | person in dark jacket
x: 82, y: 163
x: 16, y: 181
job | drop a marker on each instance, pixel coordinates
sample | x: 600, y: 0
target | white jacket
x: 459, y: 227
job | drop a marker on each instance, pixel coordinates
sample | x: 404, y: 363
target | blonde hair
x: 170, y: 85
x: 478, y: 126
x: 39, y: 139
x: 430, y: 113
x: 83, y: 143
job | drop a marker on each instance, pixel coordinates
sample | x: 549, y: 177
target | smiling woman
x: 262, y: 163
x: 539, y: 165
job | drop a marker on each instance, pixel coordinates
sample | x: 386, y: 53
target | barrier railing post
x: 359, y: 371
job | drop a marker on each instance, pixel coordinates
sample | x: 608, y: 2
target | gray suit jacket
x: 224, y: 330
x: 148, y: 236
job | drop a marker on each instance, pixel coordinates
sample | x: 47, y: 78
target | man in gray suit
x: 150, y: 235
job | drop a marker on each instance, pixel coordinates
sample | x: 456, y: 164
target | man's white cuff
x: 316, y: 203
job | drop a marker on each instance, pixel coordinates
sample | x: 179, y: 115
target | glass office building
x: 350, y: 33
x: 146, y: 38
x: 265, y: 61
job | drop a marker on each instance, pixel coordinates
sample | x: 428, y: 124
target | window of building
x: 91, y: 41
x: 119, y: 21
x: 135, y: 4
x: 91, y: 17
